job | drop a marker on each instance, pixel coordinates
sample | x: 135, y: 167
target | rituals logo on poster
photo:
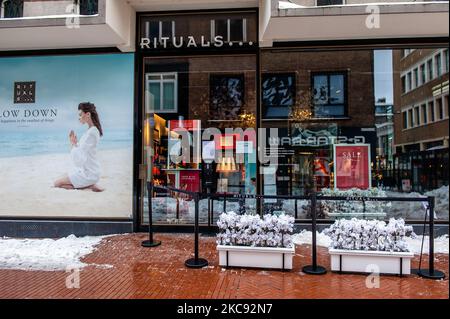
x: 24, y: 92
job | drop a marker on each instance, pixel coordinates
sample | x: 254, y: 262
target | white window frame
x: 244, y: 30
x: 161, y: 81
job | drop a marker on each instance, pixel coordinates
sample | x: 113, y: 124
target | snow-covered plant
x: 360, y: 234
x: 252, y: 230
x: 353, y: 206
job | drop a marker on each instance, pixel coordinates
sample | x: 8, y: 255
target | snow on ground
x: 47, y: 254
x: 440, y: 243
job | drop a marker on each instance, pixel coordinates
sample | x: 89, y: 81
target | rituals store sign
x: 212, y: 30
x: 24, y: 92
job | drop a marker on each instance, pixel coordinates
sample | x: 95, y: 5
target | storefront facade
x: 273, y: 105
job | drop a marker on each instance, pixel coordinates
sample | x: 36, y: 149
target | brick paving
x: 160, y: 273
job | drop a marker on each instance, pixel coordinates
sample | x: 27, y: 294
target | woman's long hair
x: 88, y: 107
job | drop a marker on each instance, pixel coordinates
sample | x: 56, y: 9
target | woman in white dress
x: 85, y: 172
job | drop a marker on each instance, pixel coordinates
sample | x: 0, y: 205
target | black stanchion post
x: 150, y: 242
x: 196, y: 262
x: 431, y: 273
x: 225, y: 203
x: 314, y: 269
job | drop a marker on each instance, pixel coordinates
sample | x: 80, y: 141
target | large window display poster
x: 352, y: 166
x: 66, y: 136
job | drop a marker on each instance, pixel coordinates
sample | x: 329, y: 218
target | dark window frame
x: 266, y: 75
x: 321, y: 3
x: 328, y: 74
x: 213, y: 76
x: 229, y: 36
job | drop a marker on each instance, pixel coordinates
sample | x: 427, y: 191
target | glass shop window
x: 161, y: 92
x: 329, y: 96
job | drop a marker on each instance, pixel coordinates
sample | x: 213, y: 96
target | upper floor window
x: 329, y: 2
x: 88, y: 7
x: 417, y: 116
x: 11, y: 8
x: 432, y: 112
x: 430, y: 69
x: 161, y: 92
x: 329, y: 94
x: 437, y: 58
x: 409, y: 81
x: 424, y: 113
x: 423, y: 74
x: 226, y: 95
x: 416, y: 77
x: 231, y: 30
x: 446, y: 60
x: 404, y: 84
x: 278, y: 94
x: 160, y: 29
x: 405, y: 120
x: 440, y: 108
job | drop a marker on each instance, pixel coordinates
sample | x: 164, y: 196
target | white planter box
x: 361, y: 261
x: 255, y: 257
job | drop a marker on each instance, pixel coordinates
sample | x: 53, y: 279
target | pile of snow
x: 414, y: 244
x: 305, y: 238
x: 46, y: 254
x: 416, y: 210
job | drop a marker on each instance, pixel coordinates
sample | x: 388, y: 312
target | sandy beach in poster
x: 26, y: 187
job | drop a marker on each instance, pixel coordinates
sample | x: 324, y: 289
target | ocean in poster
x: 30, y: 143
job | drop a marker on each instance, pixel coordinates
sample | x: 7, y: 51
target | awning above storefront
x: 287, y: 22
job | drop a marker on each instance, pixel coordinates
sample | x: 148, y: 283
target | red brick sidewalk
x: 160, y: 273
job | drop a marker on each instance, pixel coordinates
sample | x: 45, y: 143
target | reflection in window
x: 430, y: 69
x: 416, y: 77
x: 440, y: 108
x: 226, y: 96
x: 405, y: 120
x: 278, y: 94
x: 329, y: 2
x: 11, y: 8
x: 424, y: 113
x: 409, y: 81
x: 417, y: 115
x: 423, y: 74
x: 329, y: 95
x: 446, y: 60
x: 410, y: 118
x: 432, y: 113
x: 161, y: 92
x: 403, y: 84
x: 438, y: 64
